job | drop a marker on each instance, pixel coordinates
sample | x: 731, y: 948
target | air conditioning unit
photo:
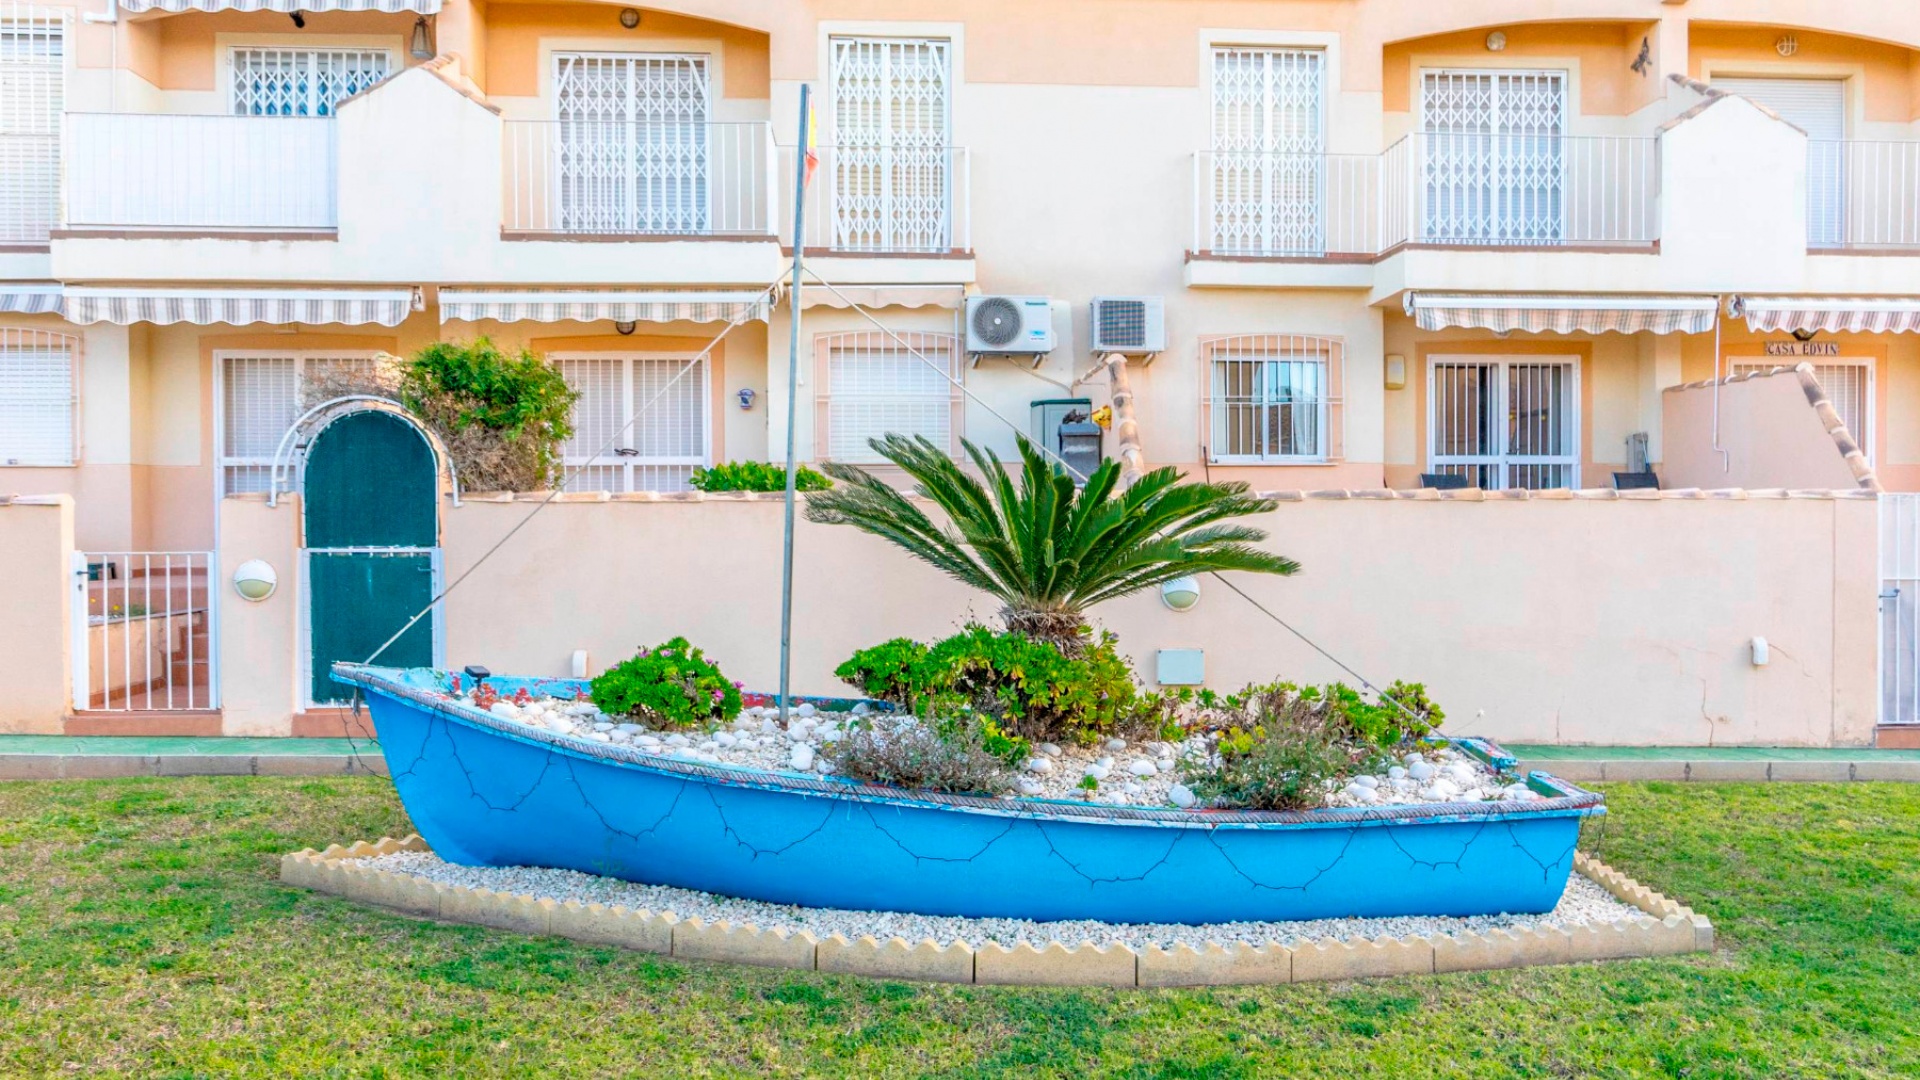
x: 1129, y: 325
x: 1010, y: 326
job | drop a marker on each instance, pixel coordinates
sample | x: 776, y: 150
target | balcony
x: 200, y: 174
x: 880, y: 200
x: 568, y: 180
x: 1433, y: 190
x: 1863, y: 195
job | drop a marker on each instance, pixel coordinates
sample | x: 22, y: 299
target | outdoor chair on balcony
x: 1444, y: 481
x: 1631, y: 481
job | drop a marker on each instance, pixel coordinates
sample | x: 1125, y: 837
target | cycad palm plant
x: 1047, y: 550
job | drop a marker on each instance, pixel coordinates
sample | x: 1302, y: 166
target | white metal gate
x: 301, y: 82
x: 1269, y: 159
x: 1899, y: 608
x: 658, y: 449
x: 32, y: 65
x: 145, y: 631
x: 632, y: 146
x: 1505, y: 423
x: 1492, y: 163
x: 890, y: 175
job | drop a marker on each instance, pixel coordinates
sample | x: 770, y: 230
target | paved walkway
x: 48, y: 757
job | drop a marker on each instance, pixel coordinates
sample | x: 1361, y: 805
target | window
x: 263, y: 393
x: 302, y: 82
x: 889, y: 166
x: 31, y: 50
x: 655, y: 451
x: 1272, y: 397
x: 874, y: 384
x: 1268, y: 151
x: 1505, y: 423
x: 36, y: 397
x: 1819, y: 108
x: 632, y: 142
x: 1492, y: 170
x: 1849, y: 386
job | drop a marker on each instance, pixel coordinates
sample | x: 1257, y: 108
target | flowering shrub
x: 669, y: 685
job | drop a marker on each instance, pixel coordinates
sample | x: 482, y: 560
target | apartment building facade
x: 1389, y: 243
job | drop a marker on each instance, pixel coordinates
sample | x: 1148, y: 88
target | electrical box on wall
x: 1064, y: 427
x: 1180, y: 667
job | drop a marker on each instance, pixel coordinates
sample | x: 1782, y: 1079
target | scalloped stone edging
x: 1667, y: 928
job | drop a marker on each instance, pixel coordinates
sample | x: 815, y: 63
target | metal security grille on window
x: 1492, y: 171
x: 1273, y: 397
x: 1505, y: 425
x: 1268, y: 151
x: 1849, y: 387
x: 632, y: 143
x: 302, y: 82
x: 890, y: 177
x: 36, y: 398
x: 660, y: 449
x: 31, y: 98
x: 876, y: 387
x: 262, y: 395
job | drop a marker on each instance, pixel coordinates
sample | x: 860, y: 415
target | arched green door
x: 372, y: 535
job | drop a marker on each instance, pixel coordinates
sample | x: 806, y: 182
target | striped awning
x: 285, y: 7
x: 880, y: 296
x: 594, y: 305
x: 240, y: 307
x: 22, y: 299
x: 1854, y: 315
x: 1540, y: 313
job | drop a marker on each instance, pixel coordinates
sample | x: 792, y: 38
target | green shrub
x: 756, y: 476
x: 1285, y: 751
x: 670, y: 685
x: 1029, y: 687
x: 889, y: 671
x: 1379, y: 723
x: 503, y: 416
x: 955, y: 750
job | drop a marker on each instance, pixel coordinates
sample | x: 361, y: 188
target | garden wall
x: 1584, y: 618
x: 36, y: 572
x: 1777, y: 430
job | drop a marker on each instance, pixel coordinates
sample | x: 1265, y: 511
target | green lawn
x: 143, y: 932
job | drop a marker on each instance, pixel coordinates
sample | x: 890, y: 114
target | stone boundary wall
x: 1668, y: 928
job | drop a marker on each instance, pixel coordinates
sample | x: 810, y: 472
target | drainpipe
x: 1133, y: 463
x: 1726, y: 457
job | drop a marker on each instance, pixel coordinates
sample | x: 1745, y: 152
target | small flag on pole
x: 813, y: 145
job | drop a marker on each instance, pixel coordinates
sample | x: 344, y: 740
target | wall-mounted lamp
x: 1180, y: 594
x: 629, y: 17
x: 1496, y: 41
x: 421, y: 48
x: 1804, y: 334
x: 1396, y: 372
x: 745, y: 394
x: 626, y: 328
x: 255, y: 580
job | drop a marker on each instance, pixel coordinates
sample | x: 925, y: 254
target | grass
x: 143, y: 933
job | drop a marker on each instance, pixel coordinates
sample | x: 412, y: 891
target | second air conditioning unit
x: 1010, y: 326
x: 1129, y: 325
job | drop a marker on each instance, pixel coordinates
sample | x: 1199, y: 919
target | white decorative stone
x: 802, y: 757
x: 1181, y: 796
x: 1420, y: 771
x: 505, y: 710
x: 1098, y: 771
x: 1143, y: 767
x: 1116, y: 743
x: 1049, y: 749
x: 1040, y: 765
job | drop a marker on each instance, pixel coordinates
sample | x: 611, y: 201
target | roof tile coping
x: 1667, y: 928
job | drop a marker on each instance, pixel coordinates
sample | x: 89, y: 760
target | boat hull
x: 483, y: 793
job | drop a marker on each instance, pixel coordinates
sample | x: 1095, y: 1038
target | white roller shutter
x: 1819, y: 108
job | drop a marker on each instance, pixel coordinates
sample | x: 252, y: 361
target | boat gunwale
x: 1563, y: 799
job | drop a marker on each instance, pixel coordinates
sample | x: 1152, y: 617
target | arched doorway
x: 371, y: 536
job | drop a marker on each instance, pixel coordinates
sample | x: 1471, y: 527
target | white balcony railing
x: 883, y: 200
x: 160, y: 171
x: 639, y: 179
x: 1491, y: 190
x: 1863, y: 194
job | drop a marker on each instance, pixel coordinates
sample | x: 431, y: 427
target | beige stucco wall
x: 1770, y: 434
x: 36, y: 644
x: 259, y: 678
x: 1536, y: 620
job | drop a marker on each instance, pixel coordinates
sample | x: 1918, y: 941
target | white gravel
x: 1144, y: 774
x: 1583, y: 903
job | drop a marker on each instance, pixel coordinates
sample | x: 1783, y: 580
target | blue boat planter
x: 490, y: 792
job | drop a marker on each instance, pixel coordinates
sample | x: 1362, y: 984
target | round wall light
x: 1180, y: 594
x: 255, y: 580
x: 1496, y: 41
x: 629, y: 17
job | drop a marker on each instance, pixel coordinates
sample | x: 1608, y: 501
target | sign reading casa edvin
x: 1803, y: 348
